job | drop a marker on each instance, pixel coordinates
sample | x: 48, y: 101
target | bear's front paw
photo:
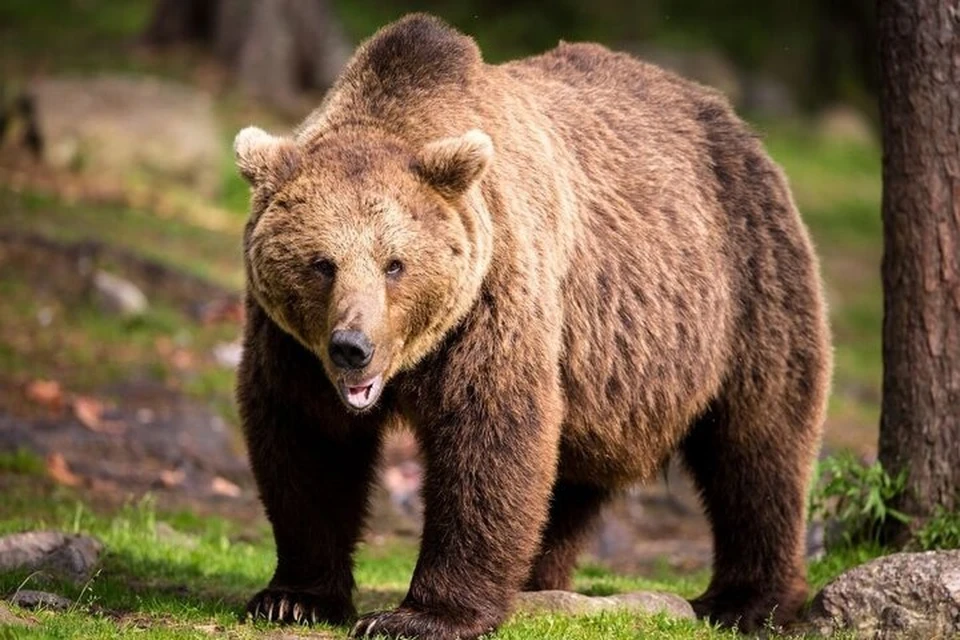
x: 410, y: 623
x: 292, y: 606
x: 750, y: 610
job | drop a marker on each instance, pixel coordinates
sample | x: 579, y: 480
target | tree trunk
x: 180, y: 21
x: 276, y: 48
x: 920, y: 113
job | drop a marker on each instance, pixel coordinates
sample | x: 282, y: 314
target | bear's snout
x: 350, y: 350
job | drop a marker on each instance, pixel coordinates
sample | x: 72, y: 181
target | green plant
x: 855, y: 498
x: 942, y: 531
x: 22, y: 461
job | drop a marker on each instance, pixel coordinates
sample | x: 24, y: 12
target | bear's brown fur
x: 558, y: 272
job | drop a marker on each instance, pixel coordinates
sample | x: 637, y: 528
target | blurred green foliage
x: 824, y: 50
x: 856, y: 498
x: 942, y: 531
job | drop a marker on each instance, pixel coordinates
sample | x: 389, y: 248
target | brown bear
x: 558, y: 272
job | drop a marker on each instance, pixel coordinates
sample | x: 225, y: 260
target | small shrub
x: 942, y: 531
x: 853, y: 499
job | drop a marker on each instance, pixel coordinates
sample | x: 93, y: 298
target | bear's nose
x: 350, y: 349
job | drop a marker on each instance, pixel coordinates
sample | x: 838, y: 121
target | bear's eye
x: 395, y: 268
x: 325, y: 267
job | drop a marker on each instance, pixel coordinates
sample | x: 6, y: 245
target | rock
x: 117, y: 295
x: 8, y: 618
x: 40, y: 600
x: 228, y: 354
x: 120, y: 125
x: 69, y: 557
x: 816, y: 540
x: 904, y: 595
x: 568, y: 602
x: 842, y: 123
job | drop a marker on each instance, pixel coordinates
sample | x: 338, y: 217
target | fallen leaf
x: 59, y: 471
x: 223, y: 487
x: 89, y: 411
x: 46, y: 392
x: 172, y: 477
x: 182, y: 359
x: 163, y: 345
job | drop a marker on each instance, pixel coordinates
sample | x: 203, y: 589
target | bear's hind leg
x: 752, y: 470
x: 574, y: 511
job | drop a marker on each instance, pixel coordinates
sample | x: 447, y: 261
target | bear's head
x: 364, y: 249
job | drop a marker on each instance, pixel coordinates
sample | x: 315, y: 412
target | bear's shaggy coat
x: 559, y: 272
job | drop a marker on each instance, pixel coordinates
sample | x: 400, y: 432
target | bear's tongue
x: 361, y: 394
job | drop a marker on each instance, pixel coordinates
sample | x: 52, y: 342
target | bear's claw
x: 410, y: 623
x: 292, y: 606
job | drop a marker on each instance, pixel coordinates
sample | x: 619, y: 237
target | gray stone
x: 28, y: 599
x: 117, y: 295
x: 228, y: 354
x: 904, y: 595
x: 68, y: 557
x: 568, y: 602
x: 129, y: 125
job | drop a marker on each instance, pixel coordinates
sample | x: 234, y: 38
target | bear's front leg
x: 489, y: 433
x: 313, y: 463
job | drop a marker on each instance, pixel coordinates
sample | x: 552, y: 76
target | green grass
x: 21, y: 462
x: 174, y: 239
x: 151, y: 585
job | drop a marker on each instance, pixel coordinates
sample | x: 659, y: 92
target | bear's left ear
x: 265, y: 160
x: 453, y: 165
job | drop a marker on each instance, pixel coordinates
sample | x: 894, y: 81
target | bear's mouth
x: 363, y: 395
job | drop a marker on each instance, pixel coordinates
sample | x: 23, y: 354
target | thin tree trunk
x: 920, y: 112
x: 288, y: 46
x: 276, y: 48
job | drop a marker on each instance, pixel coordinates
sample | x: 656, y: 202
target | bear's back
x: 412, y: 78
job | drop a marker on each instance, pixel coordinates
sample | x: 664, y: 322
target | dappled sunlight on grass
x: 154, y: 584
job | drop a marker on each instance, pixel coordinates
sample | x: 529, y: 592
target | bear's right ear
x: 263, y: 159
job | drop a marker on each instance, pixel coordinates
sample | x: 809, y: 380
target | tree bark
x: 920, y: 114
x: 276, y: 48
x: 180, y: 21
